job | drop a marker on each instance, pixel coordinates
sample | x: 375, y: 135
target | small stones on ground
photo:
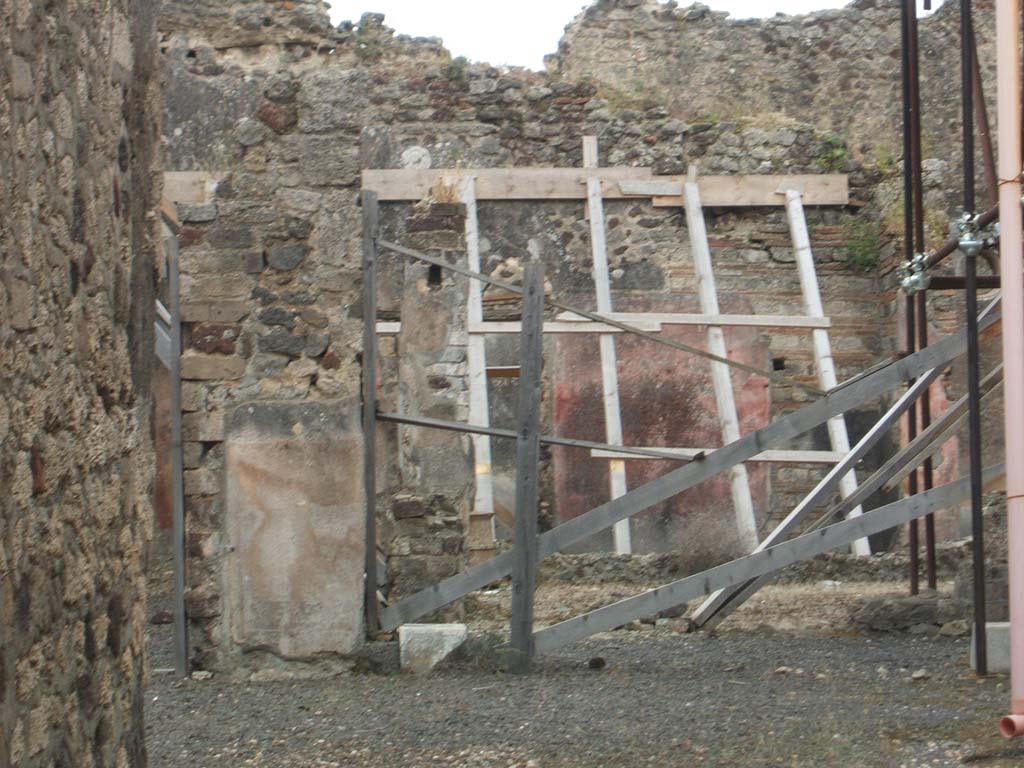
x: 783, y: 670
x: 920, y: 674
x: 162, y: 617
x: 202, y: 674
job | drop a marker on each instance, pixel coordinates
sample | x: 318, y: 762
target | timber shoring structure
x: 743, y: 571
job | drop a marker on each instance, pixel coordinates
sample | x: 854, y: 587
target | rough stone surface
x: 78, y: 116
x: 421, y: 647
x: 295, y: 528
x: 332, y: 101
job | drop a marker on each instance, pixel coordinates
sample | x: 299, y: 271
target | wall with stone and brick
x: 293, y: 109
x: 79, y: 120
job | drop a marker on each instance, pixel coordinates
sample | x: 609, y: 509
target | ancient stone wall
x: 77, y: 227
x: 270, y: 179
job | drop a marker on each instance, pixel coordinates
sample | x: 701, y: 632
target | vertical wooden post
x: 371, y: 226
x: 524, y: 573
x: 481, y: 535
x: 177, y: 458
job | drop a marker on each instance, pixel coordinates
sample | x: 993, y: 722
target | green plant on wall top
x: 863, y: 243
x: 458, y: 69
x: 832, y: 155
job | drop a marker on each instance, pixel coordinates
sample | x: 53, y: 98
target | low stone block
x: 421, y: 647
x: 997, y: 642
x: 204, y: 367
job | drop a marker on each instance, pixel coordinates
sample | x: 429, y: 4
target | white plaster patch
x: 417, y: 158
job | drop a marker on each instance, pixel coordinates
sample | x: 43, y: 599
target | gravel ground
x: 789, y: 684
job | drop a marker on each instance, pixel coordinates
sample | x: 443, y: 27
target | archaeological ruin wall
x: 267, y: 182
x: 78, y: 191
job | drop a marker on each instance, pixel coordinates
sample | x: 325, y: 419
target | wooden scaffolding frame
x: 593, y: 184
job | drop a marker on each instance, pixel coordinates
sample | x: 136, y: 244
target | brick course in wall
x: 77, y: 241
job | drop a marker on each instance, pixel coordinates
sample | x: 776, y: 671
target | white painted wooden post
x: 609, y: 364
x: 743, y: 504
x: 482, y: 513
x: 827, y: 379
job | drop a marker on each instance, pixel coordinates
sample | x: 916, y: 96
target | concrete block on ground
x: 421, y: 647
x: 997, y: 637
x: 295, y: 526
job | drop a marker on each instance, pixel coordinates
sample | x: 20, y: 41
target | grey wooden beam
x: 370, y: 234
x: 180, y: 626
x: 729, y: 597
x: 524, y: 574
x: 753, y: 565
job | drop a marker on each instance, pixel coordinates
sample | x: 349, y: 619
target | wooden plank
x: 162, y: 344
x: 764, y: 190
x: 476, y: 363
x: 837, y: 434
x: 777, y: 456
x: 751, y: 566
x: 524, y: 574
x: 503, y: 372
x: 370, y: 234
x: 390, y: 328
x: 512, y: 326
x: 569, y: 184
x: 609, y: 360
x: 722, y: 603
x: 500, y: 183
x: 679, y: 318
x: 169, y: 214
x: 178, y: 532
x: 865, y: 389
x: 721, y: 380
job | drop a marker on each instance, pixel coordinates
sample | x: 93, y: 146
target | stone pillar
x: 424, y: 534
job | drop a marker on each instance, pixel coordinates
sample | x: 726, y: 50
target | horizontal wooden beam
x: 616, y: 183
x: 754, y: 565
x: 677, y: 318
x: 763, y: 190
x: 774, y: 456
x: 500, y: 183
x: 503, y: 372
x: 512, y: 326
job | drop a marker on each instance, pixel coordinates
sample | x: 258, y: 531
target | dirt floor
x: 787, y: 681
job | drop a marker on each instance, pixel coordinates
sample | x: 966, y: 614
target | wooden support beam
x: 852, y: 395
x: 178, y: 549
x: 371, y: 227
x: 524, y: 573
x: 721, y: 379
x: 693, y: 454
x: 476, y: 363
x: 837, y: 434
x: 763, y: 190
x: 722, y: 603
x: 679, y: 318
x: 615, y: 184
x: 752, y: 566
x: 609, y: 360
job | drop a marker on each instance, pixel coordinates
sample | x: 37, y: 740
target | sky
x: 522, y: 32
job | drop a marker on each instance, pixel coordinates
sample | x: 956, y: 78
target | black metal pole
x: 907, y: 10
x: 967, y: 63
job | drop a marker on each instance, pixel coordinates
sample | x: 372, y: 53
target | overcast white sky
x: 521, y: 32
